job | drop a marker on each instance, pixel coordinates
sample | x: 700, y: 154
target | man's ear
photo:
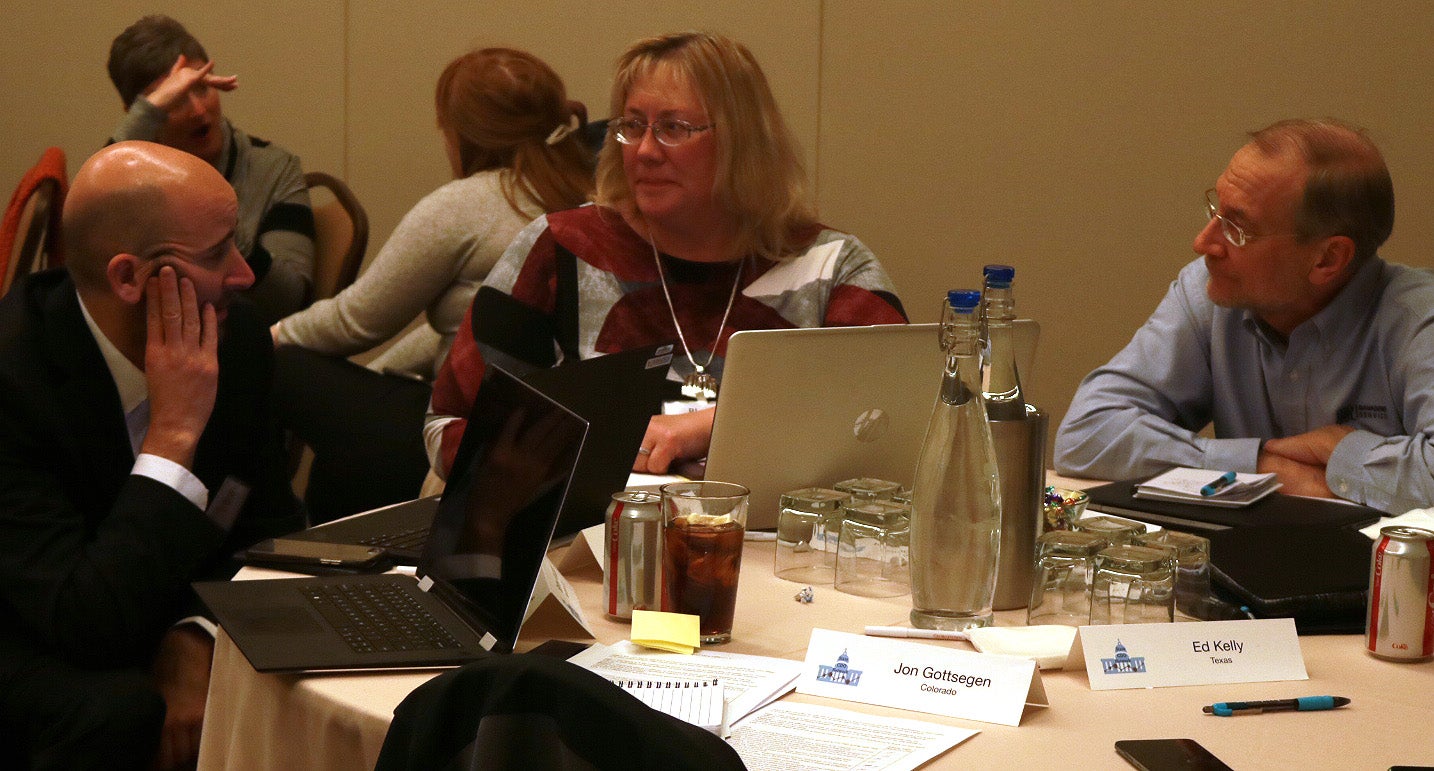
x: 126, y: 279
x: 1334, y: 262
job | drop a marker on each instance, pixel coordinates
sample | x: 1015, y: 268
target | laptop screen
x: 494, y: 522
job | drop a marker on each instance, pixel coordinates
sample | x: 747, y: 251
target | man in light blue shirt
x: 1311, y: 357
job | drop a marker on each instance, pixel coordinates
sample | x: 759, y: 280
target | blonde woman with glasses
x: 703, y: 226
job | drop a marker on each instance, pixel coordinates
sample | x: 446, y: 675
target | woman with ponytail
x: 515, y: 147
x: 516, y: 152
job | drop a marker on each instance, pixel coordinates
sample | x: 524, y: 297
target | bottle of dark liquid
x: 1004, y: 400
x: 956, y: 506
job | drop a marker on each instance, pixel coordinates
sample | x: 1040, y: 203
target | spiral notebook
x: 698, y: 702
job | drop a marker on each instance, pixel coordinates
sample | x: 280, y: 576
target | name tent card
x: 553, y: 611
x: 988, y: 687
x: 1197, y: 653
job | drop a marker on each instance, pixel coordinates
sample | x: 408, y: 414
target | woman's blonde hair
x: 501, y: 106
x: 760, y: 181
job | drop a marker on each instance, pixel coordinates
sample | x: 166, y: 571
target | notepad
x: 698, y: 702
x: 748, y: 682
x: 1185, y: 485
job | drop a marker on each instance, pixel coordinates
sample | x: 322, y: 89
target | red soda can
x: 1400, y: 626
x: 632, y: 559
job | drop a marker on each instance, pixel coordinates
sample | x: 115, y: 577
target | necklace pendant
x: 700, y: 385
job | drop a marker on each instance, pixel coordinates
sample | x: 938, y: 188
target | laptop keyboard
x: 413, y: 539
x: 376, y: 618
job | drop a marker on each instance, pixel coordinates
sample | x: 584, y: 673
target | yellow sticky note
x: 675, y: 632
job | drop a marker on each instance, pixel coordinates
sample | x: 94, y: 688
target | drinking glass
x: 1192, y: 570
x: 808, y: 525
x: 703, y: 525
x: 1133, y: 585
x: 1118, y: 531
x: 874, y: 549
x: 1065, y: 565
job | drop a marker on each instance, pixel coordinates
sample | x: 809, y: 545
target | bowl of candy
x: 1063, y: 506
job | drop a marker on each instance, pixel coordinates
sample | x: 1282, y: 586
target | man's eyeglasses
x: 1236, y: 235
x: 669, y: 132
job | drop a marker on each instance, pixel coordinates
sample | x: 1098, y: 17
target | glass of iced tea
x: 703, y: 526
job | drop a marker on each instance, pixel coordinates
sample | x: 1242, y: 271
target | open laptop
x: 812, y: 407
x: 490, y: 533
x: 617, y: 394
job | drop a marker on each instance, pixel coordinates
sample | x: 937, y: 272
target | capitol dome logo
x: 839, y: 673
x: 1123, y: 663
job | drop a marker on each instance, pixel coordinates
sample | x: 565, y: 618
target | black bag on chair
x: 527, y: 711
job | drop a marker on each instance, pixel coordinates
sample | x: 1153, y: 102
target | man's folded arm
x: 1394, y: 473
x: 1141, y: 413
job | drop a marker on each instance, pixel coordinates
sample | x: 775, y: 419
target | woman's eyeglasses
x: 669, y: 132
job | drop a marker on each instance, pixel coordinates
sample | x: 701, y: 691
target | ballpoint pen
x: 1223, y: 481
x: 924, y: 634
x: 1303, y: 704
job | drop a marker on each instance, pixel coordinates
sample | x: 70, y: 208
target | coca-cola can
x: 632, y: 559
x: 1400, y: 626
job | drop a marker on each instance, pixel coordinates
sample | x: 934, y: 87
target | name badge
x: 924, y: 677
x: 1197, y: 653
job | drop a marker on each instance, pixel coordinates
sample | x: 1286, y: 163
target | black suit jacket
x: 95, y: 564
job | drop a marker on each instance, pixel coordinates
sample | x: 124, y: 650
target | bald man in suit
x: 136, y: 455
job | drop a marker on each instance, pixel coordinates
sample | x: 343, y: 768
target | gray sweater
x: 433, y: 263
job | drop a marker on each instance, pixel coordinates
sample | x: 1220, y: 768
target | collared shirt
x: 134, y: 400
x: 1366, y: 360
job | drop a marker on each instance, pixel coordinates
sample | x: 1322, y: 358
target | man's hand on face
x: 174, y: 88
x: 181, y: 366
x: 1298, y: 478
x: 181, y: 673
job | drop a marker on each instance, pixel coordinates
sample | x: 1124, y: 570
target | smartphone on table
x: 1168, y: 755
x: 316, y: 557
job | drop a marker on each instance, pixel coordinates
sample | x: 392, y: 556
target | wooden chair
x: 29, y: 233
x: 340, y: 240
x: 340, y: 234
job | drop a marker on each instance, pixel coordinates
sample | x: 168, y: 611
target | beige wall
x: 1071, y: 139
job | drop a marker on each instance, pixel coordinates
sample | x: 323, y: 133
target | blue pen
x: 1303, y: 704
x: 1225, y: 480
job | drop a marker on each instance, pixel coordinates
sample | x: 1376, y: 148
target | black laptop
x: 1317, y: 575
x: 489, y: 535
x: 616, y: 394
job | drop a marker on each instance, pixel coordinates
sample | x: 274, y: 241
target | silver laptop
x: 812, y: 407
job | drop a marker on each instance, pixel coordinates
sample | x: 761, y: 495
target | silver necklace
x: 701, y: 384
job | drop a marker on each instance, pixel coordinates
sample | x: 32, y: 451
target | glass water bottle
x: 956, y: 506
x: 1004, y: 400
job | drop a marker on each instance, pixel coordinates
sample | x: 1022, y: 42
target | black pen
x: 1304, y: 704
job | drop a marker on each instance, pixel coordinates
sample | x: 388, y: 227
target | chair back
x: 340, y: 234
x: 29, y: 233
x: 531, y: 711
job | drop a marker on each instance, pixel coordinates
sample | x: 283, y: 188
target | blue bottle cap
x: 963, y: 300
x: 999, y: 276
